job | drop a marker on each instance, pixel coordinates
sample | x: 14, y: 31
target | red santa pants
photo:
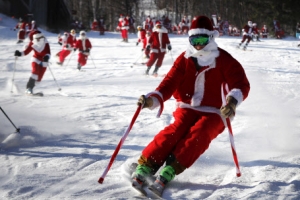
x: 124, y: 33
x: 187, y: 138
x: 21, y: 34
x: 82, y: 58
x: 63, y: 54
x: 156, y: 56
x: 37, y: 71
x: 246, y: 37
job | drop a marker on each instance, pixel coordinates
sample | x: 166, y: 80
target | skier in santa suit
x: 22, y: 30
x: 194, y: 81
x: 247, y: 35
x: 264, y: 31
x: 255, y: 33
x: 84, y: 47
x: 142, y: 37
x: 184, y: 24
x: 158, y: 42
x: 31, y: 27
x: 39, y: 60
x: 148, y: 24
x: 67, y: 46
x: 101, y: 26
x: 124, y: 26
x: 95, y: 25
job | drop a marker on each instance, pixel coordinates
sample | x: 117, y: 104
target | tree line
x: 237, y: 12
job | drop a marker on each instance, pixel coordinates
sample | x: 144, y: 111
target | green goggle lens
x: 201, y: 39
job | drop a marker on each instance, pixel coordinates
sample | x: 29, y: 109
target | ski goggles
x: 200, y: 39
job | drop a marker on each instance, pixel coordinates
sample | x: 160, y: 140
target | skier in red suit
x: 101, y: 26
x: 39, y: 61
x: 124, y: 26
x: 84, y: 47
x: 67, y: 46
x: 194, y: 81
x: 158, y: 42
x: 31, y: 27
x: 95, y: 25
x: 148, y: 24
x: 264, y: 31
x: 143, y: 38
x: 247, y: 35
x: 22, y: 30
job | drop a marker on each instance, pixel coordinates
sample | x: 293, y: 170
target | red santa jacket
x: 193, y: 88
x: 38, y: 52
x: 247, y: 30
x: 21, y: 26
x: 159, y: 40
x: 264, y: 30
x: 148, y: 24
x: 141, y: 35
x: 95, y: 25
x: 83, y: 45
x: 123, y: 24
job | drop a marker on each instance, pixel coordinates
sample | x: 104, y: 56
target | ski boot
x: 239, y: 45
x: 140, y: 177
x: 155, y: 71
x: 147, y: 70
x: 166, y: 175
x: 78, y: 67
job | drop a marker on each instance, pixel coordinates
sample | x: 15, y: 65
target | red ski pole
x: 225, y: 90
x: 136, y: 114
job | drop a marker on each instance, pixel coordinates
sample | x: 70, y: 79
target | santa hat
x: 157, y: 23
x: 202, y: 25
x: 38, y: 35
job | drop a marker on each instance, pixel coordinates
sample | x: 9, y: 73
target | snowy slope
x: 68, y: 136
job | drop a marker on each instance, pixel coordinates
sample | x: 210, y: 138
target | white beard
x: 205, y: 56
x: 39, y: 45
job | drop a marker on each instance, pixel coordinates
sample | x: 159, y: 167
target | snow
x: 67, y: 137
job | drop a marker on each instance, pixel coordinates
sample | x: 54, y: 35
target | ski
x: 138, y: 64
x: 38, y: 94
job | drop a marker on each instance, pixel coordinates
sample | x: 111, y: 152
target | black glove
x: 18, y: 53
x: 67, y: 45
x: 59, y: 43
x: 74, y: 49
x: 46, y: 58
x: 137, y: 43
x: 169, y: 47
x: 143, y: 49
x: 148, y: 47
x: 145, y: 102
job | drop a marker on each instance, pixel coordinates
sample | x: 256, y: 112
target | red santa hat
x: 202, y: 25
x: 157, y: 23
x: 38, y: 35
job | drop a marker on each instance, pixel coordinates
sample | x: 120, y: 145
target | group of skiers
x: 40, y: 47
x: 194, y: 81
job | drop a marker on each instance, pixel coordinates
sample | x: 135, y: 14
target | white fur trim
x: 160, y: 30
x: 199, y: 89
x: 34, y: 76
x: 206, y: 109
x: 155, y: 100
x: 197, y: 31
x: 237, y: 94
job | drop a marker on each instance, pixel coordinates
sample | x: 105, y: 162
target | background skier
x: 39, y: 61
x: 158, y: 42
